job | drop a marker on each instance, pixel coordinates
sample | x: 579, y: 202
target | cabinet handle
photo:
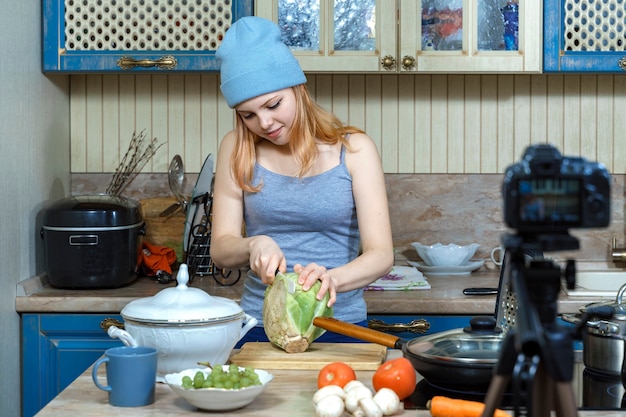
x: 622, y: 63
x: 415, y: 326
x: 408, y: 63
x: 166, y: 62
x: 109, y: 321
x: 388, y: 62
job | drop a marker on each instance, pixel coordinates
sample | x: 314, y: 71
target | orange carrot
x: 448, y: 407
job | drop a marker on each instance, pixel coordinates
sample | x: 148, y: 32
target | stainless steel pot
x: 604, y: 338
x: 602, y: 391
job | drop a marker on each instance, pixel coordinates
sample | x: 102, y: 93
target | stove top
x: 593, y: 391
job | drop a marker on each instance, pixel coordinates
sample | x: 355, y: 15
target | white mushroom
x: 369, y: 406
x: 358, y: 412
x: 330, y: 406
x: 354, y: 395
x: 387, y: 400
x: 324, y: 392
x: 353, y: 384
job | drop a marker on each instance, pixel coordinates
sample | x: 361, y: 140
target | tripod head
x: 536, y: 285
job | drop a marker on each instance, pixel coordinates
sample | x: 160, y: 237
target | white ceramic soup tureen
x: 185, y: 324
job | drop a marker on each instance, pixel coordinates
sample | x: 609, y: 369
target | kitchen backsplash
x: 440, y: 124
x: 444, y: 140
x: 429, y: 208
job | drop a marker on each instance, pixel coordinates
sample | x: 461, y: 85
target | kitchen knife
x: 480, y: 291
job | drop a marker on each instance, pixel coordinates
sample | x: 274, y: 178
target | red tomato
x: 396, y: 374
x: 335, y: 373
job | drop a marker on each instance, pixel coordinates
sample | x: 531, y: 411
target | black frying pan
x: 463, y: 363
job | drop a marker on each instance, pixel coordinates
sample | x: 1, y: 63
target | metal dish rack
x: 198, y: 257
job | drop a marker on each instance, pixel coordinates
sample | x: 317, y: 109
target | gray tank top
x: 312, y: 219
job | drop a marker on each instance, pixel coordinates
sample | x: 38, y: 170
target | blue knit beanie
x: 254, y: 61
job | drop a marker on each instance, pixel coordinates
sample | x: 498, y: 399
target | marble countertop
x: 35, y: 295
x: 288, y: 395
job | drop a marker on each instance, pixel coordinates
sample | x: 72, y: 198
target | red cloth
x: 157, y: 258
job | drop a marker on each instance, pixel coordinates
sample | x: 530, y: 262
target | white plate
x: 448, y: 270
x: 400, y: 278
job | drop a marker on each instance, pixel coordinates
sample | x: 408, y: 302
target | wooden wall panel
x: 619, y: 124
x: 472, y: 146
x: 421, y: 123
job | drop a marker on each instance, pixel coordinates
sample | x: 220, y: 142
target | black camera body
x: 548, y: 193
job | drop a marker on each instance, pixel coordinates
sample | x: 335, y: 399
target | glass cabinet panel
x: 442, y: 25
x: 300, y: 22
x: 498, y: 25
x: 354, y: 24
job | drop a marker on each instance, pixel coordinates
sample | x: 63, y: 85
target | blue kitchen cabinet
x: 138, y: 37
x: 56, y: 349
x: 584, y: 36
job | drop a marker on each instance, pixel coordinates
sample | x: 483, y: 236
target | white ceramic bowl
x: 445, y: 255
x: 217, y: 399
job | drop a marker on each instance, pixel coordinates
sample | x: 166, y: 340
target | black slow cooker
x: 92, y: 241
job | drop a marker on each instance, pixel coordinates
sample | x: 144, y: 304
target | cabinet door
x: 430, y: 36
x: 335, y: 35
x: 140, y: 36
x: 584, y: 36
x: 477, y: 36
x: 56, y: 349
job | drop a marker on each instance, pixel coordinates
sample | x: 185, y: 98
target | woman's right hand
x: 266, y: 258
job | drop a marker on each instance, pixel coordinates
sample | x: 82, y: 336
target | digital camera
x: 549, y: 193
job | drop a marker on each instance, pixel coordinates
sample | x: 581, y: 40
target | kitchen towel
x: 156, y: 259
x: 400, y: 278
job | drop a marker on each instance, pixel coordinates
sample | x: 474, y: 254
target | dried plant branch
x: 139, y: 152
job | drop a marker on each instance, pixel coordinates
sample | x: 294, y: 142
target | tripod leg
x: 565, y: 400
x: 494, y: 394
x: 543, y: 392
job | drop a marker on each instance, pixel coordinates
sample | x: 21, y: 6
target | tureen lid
x: 182, y: 304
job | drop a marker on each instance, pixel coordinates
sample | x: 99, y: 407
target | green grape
x: 229, y: 378
x: 187, y: 380
x: 198, y: 379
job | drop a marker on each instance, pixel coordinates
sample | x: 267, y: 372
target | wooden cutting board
x: 264, y: 355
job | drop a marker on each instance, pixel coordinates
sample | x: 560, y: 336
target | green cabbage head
x: 288, y: 313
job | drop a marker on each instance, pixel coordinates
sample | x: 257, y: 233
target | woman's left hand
x: 313, y: 272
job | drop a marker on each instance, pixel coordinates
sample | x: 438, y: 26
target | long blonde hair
x: 312, y: 123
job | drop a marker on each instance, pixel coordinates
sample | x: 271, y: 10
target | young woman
x: 309, y: 189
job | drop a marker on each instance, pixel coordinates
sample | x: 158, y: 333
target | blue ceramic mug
x: 131, y: 375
